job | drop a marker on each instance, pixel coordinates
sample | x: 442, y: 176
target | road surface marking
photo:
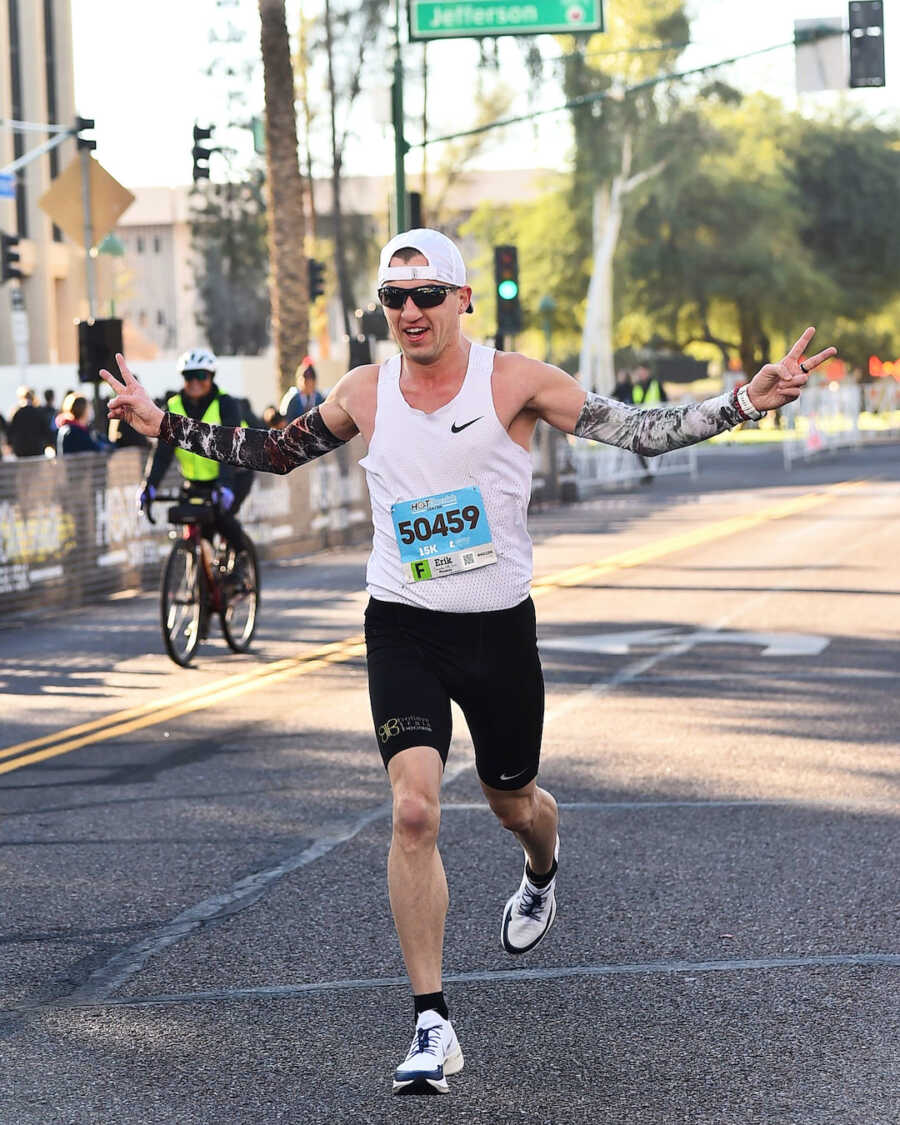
x: 196, y: 699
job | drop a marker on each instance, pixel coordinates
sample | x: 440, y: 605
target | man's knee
x: 417, y: 818
x: 516, y: 814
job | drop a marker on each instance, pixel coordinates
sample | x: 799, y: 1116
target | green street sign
x: 475, y: 19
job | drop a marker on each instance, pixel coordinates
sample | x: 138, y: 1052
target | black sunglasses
x: 424, y: 297
x: 195, y: 376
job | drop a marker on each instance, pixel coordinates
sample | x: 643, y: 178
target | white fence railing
x: 600, y: 466
x: 840, y: 416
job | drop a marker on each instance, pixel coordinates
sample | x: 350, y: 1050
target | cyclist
x: 225, y: 486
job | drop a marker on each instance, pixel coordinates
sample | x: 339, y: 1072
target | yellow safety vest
x: 192, y: 465
x: 652, y: 396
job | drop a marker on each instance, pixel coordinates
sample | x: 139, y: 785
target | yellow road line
x: 192, y: 693
x: 163, y: 710
x: 196, y: 699
x: 708, y: 534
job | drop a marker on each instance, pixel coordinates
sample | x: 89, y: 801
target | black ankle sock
x: 431, y: 1002
x: 540, y: 880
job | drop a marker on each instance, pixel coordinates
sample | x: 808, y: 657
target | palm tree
x: 288, y: 282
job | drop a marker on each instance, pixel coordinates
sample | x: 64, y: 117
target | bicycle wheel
x: 240, y: 597
x: 182, y: 602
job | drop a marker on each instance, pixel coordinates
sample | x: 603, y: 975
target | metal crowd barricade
x: 823, y: 419
x: 71, y: 532
x: 597, y: 467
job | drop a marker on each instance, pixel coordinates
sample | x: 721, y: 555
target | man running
x: 448, y: 424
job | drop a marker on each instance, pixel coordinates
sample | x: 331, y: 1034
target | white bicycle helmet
x: 197, y: 359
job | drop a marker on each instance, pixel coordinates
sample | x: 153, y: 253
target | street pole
x: 89, y: 262
x: 546, y: 308
x: 400, y: 146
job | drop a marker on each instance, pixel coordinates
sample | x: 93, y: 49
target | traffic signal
x: 9, y: 268
x: 98, y: 342
x: 371, y: 323
x: 415, y: 210
x: 200, y: 153
x: 866, y: 43
x: 316, y: 278
x: 83, y: 124
x: 506, y: 280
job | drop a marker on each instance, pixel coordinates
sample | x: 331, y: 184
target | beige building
x: 153, y: 281
x: 37, y: 85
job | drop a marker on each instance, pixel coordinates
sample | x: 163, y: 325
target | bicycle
x: 204, y: 575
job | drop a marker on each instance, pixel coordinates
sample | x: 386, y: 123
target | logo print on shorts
x: 396, y: 726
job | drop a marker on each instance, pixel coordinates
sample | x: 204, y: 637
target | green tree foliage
x: 606, y: 64
x: 846, y: 172
x: 715, y: 250
x: 551, y: 264
x: 228, y: 237
x: 353, y: 37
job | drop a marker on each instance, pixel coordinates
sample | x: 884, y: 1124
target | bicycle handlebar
x: 148, y: 507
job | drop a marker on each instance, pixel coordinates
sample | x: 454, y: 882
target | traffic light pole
x: 401, y: 148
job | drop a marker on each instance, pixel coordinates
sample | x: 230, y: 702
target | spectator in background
x: 622, y: 390
x: 273, y: 419
x: 291, y: 393
x: 248, y: 414
x: 74, y: 434
x: 28, y: 431
x: 50, y: 407
x: 307, y: 396
x: 648, y: 389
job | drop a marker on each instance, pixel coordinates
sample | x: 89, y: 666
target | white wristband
x: 746, y: 406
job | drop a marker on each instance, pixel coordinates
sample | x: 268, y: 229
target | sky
x: 145, y: 83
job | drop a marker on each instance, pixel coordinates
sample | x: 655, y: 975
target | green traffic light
x: 508, y: 289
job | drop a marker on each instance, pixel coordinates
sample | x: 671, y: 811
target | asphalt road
x: 195, y: 924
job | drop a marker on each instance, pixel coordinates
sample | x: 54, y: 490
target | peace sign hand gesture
x: 132, y: 403
x: 779, y: 383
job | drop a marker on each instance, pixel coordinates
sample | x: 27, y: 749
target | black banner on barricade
x: 71, y: 533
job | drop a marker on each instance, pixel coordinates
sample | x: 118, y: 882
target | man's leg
x: 418, y: 890
x: 531, y: 815
x: 416, y: 880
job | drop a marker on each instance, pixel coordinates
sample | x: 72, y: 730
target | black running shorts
x: 420, y: 659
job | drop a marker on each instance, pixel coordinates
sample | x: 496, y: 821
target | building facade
x: 37, y: 85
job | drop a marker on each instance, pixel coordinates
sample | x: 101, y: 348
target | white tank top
x: 462, y: 445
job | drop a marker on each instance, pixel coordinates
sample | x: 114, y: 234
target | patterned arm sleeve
x: 657, y: 429
x: 269, y: 451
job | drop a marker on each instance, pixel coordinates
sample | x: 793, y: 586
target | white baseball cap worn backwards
x: 445, y: 262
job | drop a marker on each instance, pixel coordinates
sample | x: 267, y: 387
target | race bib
x: 443, y: 534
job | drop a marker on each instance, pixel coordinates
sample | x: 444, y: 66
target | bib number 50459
x: 444, y: 523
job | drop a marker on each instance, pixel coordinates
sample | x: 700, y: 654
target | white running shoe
x: 434, y: 1054
x: 529, y: 914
